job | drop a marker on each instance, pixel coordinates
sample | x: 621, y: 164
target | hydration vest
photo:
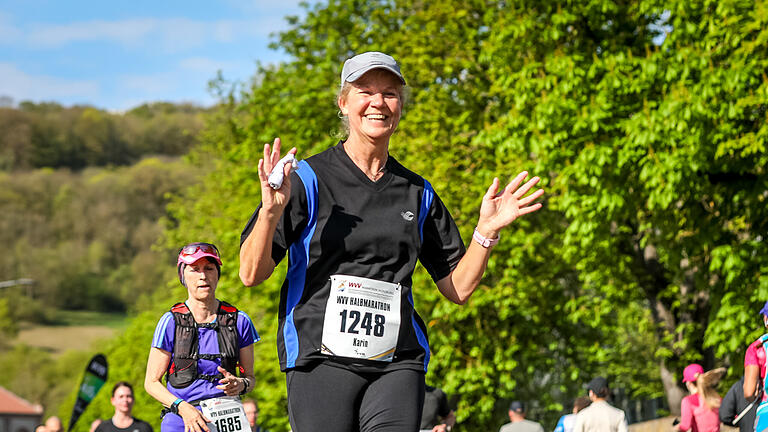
x: 186, y: 346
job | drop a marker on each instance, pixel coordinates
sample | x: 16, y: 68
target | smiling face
x: 373, y: 105
x: 122, y: 400
x: 201, y: 278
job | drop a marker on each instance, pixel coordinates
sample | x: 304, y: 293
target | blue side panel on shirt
x: 427, y: 196
x: 426, y: 202
x: 298, y: 254
x: 420, y: 336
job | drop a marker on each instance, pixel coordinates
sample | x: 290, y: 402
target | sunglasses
x: 191, y: 249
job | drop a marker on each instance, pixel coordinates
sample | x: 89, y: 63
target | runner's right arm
x: 157, y: 365
x: 256, y: 263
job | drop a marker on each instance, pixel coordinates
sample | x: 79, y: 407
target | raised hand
x: 501, y: 209
x: 271, y: 199
x: 230, y: 384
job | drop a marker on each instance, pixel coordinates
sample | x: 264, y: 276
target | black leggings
x: 325, y: 398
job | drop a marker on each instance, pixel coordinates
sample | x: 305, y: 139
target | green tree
x: 648, y: 252
x: 654, y: 155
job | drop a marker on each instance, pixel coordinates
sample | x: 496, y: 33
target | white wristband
x: 482, y: 240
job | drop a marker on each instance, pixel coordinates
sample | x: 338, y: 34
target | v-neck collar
x: 350, y: 165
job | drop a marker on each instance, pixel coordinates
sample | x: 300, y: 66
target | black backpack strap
x: 183, y: 369
x: 186, y: 347
x: 227, y: 334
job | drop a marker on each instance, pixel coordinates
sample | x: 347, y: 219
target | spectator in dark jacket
x: 733, y: 404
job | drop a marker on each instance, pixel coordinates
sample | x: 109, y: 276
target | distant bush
x: 8, y: 327
x: 50, y: 135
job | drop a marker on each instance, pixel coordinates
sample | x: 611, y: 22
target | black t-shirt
x: 733, y: 404
x: 136, y: 426
x: 338, y: 221
x: 435, y: 407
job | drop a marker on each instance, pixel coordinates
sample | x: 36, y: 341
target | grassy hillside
x: 71, y: 330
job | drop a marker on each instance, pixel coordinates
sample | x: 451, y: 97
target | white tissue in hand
x: 277, y: 175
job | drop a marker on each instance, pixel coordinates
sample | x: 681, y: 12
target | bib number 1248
x: 368, y: 321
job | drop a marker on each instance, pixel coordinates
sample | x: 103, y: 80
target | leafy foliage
x: 646, y: 120
x: 655, y: 169
x: 85, y: 238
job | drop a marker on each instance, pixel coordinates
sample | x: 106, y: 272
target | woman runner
x: 699, y: 410
x: 354, y: 222
x: 199, y: 345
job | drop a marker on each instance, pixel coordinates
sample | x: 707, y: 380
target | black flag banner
x: 94, y: 378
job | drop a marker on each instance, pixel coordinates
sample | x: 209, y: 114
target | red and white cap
x: 194, y: 251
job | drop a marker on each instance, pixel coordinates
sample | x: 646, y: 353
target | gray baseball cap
x: 358, y: 65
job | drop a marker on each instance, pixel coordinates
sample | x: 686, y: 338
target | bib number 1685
x: 228, y: 424
x: 370, y: 322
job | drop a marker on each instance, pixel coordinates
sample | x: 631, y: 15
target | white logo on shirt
x: 407, y: 215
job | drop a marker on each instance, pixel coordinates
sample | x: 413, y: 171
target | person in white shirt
x: 518, y: 423
x: 600, y: 416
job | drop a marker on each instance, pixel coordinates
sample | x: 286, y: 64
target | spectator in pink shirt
x: 699, y: 410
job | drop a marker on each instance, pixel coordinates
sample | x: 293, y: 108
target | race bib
x: 226, y: 414
x: 362, y: 318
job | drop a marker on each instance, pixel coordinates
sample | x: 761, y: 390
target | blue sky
x: 118, y: 54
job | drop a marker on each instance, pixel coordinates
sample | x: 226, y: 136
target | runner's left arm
x: 496, y: 212
x: 232, y: 385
